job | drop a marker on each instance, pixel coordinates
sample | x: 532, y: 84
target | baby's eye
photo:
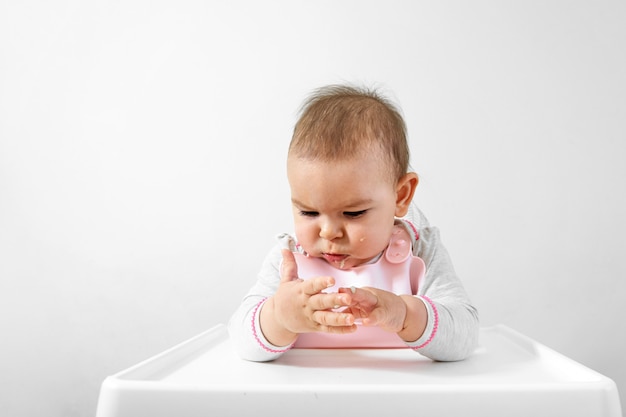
x: 308, y: 213
x: 354, y: 214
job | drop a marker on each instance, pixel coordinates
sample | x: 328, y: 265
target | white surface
x: 508, y: 374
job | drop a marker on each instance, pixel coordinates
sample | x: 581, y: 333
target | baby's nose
x: 330, y: 230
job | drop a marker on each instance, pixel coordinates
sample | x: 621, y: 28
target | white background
x: 142, y: 173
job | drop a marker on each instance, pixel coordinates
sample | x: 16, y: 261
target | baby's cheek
x: 368, y: 247
x: 305, y: 239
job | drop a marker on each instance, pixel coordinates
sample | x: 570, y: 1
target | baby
x: 358, y: 272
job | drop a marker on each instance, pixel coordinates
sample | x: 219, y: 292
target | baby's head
x: 340, y: 122
x: 347, y: 168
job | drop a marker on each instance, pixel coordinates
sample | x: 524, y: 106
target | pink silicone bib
x: 397, y: 271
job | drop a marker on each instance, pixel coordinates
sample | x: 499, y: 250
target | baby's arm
x: 244, y: 327
x: 452, y: 330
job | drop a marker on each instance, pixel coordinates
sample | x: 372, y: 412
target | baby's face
x: 343, y: 210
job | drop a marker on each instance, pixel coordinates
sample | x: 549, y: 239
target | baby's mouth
x: 335, y: 258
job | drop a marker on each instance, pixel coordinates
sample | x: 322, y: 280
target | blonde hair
x: 342, y: 121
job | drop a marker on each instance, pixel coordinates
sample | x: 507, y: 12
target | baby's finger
x: 359, y: 296
x: 323, y: 301
x: 318, y: 284
x: 289, y: 267
x: 371, y: 320
x: 348, y: 290
x: 332, y: 319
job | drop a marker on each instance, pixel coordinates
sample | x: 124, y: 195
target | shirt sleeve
x: 243, y: 327
x: 452, y: 329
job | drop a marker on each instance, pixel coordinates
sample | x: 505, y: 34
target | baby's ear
x: 404, y: 192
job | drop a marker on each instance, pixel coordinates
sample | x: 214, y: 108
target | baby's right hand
x: 300, y: 306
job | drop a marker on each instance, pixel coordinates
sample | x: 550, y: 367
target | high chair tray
x: 508, y: 375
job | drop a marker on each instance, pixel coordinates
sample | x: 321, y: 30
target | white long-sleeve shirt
x: 452, y: 327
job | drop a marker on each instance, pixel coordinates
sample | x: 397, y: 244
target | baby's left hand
x: 377, y: 308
